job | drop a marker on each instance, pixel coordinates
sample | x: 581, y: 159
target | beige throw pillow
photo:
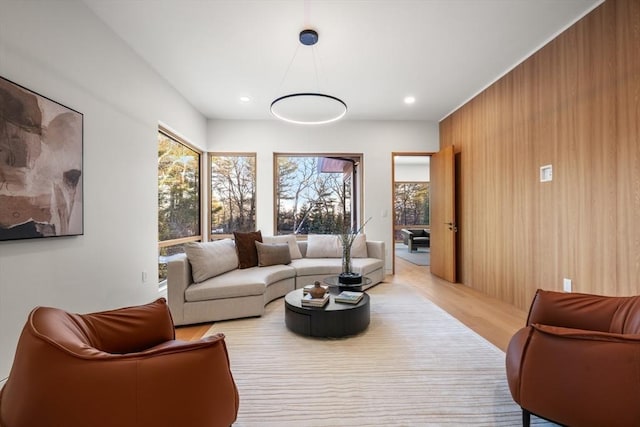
x: 359, y: 247
x: 289, y: 239
x: 324, y: 246
x: 210, y: 259
x: 273, y: 253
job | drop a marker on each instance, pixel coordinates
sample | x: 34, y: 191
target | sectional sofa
x: 206, y: 283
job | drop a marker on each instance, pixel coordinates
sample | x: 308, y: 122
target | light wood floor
x: 496, y: 321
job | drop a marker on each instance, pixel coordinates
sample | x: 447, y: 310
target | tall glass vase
x: 346, y: 259
x: 348, y: 277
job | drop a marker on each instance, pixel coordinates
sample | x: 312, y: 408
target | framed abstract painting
x: 41, y: 144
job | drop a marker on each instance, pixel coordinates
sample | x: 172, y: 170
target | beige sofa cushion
x: 289, y: 239
x: 238, y: 283
x: 273, y: 254
x: 317, y: 266
x: 331, y: 266
x: 210, y: 259
x: 359, y: 247
x: 324, y: 246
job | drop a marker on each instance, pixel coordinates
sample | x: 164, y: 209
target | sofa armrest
x: 406, y: 236
x: 178, y: 279
x: 375, y: 249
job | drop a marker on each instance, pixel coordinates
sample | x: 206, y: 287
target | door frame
x: 395, y: 154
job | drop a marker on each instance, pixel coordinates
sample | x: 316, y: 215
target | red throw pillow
x: 246, y: 247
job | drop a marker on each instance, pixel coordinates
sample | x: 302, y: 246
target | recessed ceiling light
x: 245, y: 99
x: 409, y: 99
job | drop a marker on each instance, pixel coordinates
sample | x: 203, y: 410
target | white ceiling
x: 371, y: 53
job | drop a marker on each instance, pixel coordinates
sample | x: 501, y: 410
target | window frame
x: 357, y: 189
x: 212, y: 154
x: 398, y: 227
x: 201, y: 191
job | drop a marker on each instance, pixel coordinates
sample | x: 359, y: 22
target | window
x: 233, y: 193
x: 178, y: 197
x: 411, y: 206
x: 316, y: 194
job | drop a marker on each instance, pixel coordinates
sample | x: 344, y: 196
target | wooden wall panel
x: 627, y: 31
x: 574, y: 104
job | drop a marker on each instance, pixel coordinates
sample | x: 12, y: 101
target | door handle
x: 452, y: 226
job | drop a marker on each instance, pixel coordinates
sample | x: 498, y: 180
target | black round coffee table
x: 333, y: 320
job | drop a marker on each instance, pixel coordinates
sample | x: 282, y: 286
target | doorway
x: 411, y: 208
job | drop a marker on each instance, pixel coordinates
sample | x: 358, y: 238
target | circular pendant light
x: 308, y: 108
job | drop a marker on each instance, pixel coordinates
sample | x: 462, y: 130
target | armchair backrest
x: 130, y: 329
x: 127, y: 330
x: 418, y: 232
x: 626, y: 320
x: 584, y: 311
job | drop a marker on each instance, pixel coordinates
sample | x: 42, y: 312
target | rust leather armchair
x: 116, y: 368
x: 577, y: 362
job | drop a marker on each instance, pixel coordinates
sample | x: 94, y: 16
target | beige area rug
x: 414, y: 366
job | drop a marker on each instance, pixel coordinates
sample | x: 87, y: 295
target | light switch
x: 546, y: 173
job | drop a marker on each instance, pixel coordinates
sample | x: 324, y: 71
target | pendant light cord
x: 286, y: 73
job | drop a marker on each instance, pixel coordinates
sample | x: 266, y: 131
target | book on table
x: 308, y: 301
x: 306, y: 289
x: 350, y: 297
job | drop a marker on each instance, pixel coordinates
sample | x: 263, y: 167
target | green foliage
x: 411, y: 204
x: 178, y: 190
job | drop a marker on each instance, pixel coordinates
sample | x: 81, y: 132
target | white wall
x: 375, y: 139
x: 61, y: 50
x: 412, y: 173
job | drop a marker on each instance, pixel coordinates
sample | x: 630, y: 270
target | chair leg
x: 526, y: 418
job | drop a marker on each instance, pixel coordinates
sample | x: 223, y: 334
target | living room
x: 63, y: 51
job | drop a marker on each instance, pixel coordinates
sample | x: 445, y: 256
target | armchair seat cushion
x: 415, y: 238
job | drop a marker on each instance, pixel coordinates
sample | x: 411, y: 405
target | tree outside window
x: 178, y: 197
x: 411, y: 205
x: 313, y: 194
x: 233, y: 193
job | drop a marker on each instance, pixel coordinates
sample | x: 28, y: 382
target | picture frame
x: 41, y: 166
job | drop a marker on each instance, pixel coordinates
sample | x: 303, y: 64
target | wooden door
x: 443, y: 214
